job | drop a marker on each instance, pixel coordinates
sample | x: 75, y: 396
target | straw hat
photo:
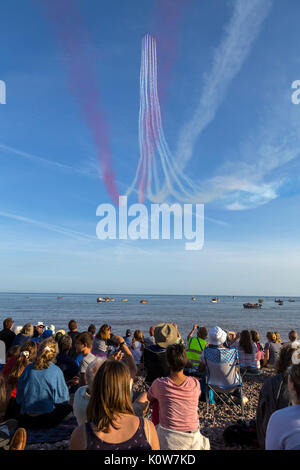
x: 165, y: 334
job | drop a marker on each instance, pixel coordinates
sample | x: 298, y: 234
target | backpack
x: 241, y: 433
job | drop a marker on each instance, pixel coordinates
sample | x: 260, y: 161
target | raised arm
x: 192, y: 332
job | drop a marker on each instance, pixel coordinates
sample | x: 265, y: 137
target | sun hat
x: 217, y: 336
x: 61, y: 331
x: 41, y: 324
x: 165, y: 334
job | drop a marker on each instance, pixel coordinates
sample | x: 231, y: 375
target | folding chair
x: 223, y: 376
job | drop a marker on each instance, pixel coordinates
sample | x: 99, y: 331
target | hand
x: 117, y: 355
x: 195, y: 327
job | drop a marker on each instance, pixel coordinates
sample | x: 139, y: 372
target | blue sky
x: 227, y: 114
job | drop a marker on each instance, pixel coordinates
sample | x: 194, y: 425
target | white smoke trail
x: 241, y: 32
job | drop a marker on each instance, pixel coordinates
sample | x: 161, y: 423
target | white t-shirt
x: 283, y: 431
x: 136, y: 352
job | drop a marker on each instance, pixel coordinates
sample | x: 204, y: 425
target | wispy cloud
x: 240, y: 34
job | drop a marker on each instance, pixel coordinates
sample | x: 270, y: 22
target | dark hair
x: 8, y: 323
x: 293, y: 335
x: 85, y: 338
x: 294, y: 374
x: 30, y: 347
x: 92, y: 329
x: 64, y: 343
x: 202, y: 332
x: 254, y: 336
x: 285, y: 358
x: 246, y: 342
x: 72, y: 325
x: 176, y: 357
x: 110, y: 395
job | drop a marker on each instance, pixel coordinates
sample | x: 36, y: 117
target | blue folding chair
x: 223, y: 376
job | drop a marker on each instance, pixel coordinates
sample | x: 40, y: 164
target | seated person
x: 196, y: 345
x: 7, y: 335
x: 247, y: 351
x: 66, y: 363
x: 42, y: 392
x: 100, y: 345
x: 25, y: 334
x: 273, y: 394
x: 272, y: 349
x: 178, y: 397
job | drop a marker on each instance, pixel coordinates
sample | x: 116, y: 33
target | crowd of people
x: 48, y: 376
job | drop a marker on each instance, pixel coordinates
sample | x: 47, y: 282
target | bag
x: 241, y: 433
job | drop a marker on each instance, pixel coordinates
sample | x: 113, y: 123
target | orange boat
x: 143, y: 301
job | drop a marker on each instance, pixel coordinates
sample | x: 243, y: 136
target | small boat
x: 101, y: 299
x: 143, y: 301
x: 291, y: 300
x: 277, y: 300
x: 281, y: 302
x: 59, y: 297
x: 124, y: 300
x: 249, y: 305
x: 193, y: 298
x: 261, y: 301
x: 215, y: 300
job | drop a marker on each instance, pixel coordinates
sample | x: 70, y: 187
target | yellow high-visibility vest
x: 194, y: 349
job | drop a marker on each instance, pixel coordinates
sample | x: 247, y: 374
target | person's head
x: 138, y: 336
x: 39, y: 328
x: 246, y: 341
x: 110, y: 395
x: 176, y: 357
x: 271, y: 336
x: 92, y: 370
x: 8, y: 324
x: 65, y: 344
x: 217, y: 336
x: 293, y: 336
x: 278, y: 337
x: 13, y: 351
x: 151, y: 330
x: 104, y: 332
x: 72, y: 325
x: 83, y: 343
x: 128, y: 333
x: 27, y: 330
x: 202, y: 332
x: 294, y: 378
x: 27, y: 354
x: 45, y: 354
x: 254, y: 336
x: 165, y: 334
x: 285, y: 358
x: 59, y: 334
x: 92, y: 329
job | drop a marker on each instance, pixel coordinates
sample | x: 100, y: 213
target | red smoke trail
x: 82, y: 80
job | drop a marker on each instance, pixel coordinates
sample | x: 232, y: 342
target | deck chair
x: 155, y: 365
x: 223, y: 376
x: 2, y: 354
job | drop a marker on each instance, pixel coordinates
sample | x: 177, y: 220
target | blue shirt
x: 38, y: 391
x: 283, y: 431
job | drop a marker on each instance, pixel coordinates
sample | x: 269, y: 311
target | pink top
x: 178, y: 404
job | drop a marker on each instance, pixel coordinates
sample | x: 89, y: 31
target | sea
x: 228, y: 313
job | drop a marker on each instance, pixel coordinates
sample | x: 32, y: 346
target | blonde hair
x: 278, y: 337
x: 271, y: 336
x: 104, y: 332
x: 46, y: 353
x: 27, y: 330
x: 110, y: 395
x: 29, y: 347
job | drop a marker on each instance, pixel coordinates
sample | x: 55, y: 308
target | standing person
x: 260, y: 350
x: 150, y: 340
x: 196, y: 345
x: 178, y: 397
x: 283, y: 431
x: 25, y: 334
x: 293, y: 338
x: 112, y: 424
x: 83, y: 345
x: 73, y: 333
x: 38, y: 331
x: 65, y: 362
x: 272, y: 349
x: 7, y: 335
x: 100, y: 341
x: 127, y: 338
x: 42, y: 392
x: 92, y: 330
x: 138, y: 346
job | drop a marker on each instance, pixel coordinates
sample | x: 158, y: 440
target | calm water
x: 228, y: 313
